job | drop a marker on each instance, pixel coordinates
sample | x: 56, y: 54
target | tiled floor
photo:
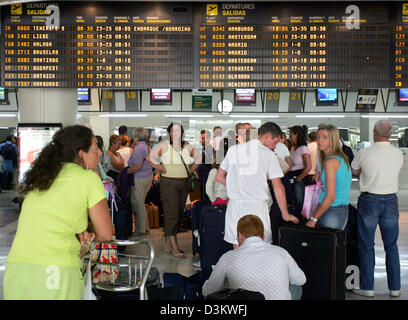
x: 166, y: 263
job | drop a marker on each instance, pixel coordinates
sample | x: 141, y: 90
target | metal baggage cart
x: 109, y: 188
x: 133, y: 268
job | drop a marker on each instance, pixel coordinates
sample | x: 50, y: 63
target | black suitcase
x: 320, y: 253
x: 212, y: 241
x: 195, y: 223
x: 235, y: 294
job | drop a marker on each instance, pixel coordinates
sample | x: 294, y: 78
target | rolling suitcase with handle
x: 212, y: 241
x: 195, y: 222
x: 320, y: 253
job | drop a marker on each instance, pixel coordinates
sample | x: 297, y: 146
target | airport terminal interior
x: 353, y: 96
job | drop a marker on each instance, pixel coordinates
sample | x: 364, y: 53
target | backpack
x: 9, y: 152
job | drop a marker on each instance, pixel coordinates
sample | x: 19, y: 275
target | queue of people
x: 51, y: 228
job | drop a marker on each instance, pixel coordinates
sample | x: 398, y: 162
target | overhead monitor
x: 161, y: 97
x: 84, y: 96
x: 3, y: 96
x: 402, y: 97
x: 32, y: 138
x: 326, y: 97
x: 245, y: 97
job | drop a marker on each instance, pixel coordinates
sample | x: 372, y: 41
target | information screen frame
x: 30, y: 155
x: 161, y: 102
x: 326, y: 102
x: 240, y: 102
x: 4, y: 100
x: 88, y: 96
x: 401, y: 102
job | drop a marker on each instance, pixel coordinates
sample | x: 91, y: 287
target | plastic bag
x: 87, y: 293
x: 311, y: 200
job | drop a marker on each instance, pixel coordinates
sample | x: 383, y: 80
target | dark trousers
x: 173, y: 193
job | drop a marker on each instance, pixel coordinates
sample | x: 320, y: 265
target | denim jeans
x: 376, y: 209
x: 299, y: 190
x: 334, y: 218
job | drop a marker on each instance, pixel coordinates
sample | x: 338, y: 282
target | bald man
x: 379, y: 167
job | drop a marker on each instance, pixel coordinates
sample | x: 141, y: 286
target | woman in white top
x: 124, y: 150
x: 213, y: 188
x: 173, y: 181
x: 116, y: 161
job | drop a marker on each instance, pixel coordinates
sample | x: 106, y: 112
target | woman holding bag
x: 60, y: 191
x: 336, y: 179
x: 178, y: 160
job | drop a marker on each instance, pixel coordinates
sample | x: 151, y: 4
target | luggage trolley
x: 110, y: 194
x: 133, y: 268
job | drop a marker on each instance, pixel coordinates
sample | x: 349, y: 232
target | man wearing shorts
x: 245, y: 171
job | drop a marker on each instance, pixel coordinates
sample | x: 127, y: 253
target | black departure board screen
x: 259, y: 45
x: 98, y: 45
x: 275, y: 45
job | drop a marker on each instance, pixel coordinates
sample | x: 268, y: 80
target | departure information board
x: 185, y: 45
x: 98, y: 45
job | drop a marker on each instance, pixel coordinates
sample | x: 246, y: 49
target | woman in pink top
x: 301, y: 162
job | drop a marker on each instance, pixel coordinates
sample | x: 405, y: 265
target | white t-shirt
x: 125, y: 153
x: 249, y: 165
x: 281, y: 151
x: 215, y: 189
x: 296, y: 156
x: 380, y: 166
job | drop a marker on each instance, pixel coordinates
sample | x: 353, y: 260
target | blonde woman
x: 336, y: 179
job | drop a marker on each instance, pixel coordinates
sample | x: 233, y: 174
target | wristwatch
x: 314, y: 219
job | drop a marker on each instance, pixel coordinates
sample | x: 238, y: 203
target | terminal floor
x: 166, y: 263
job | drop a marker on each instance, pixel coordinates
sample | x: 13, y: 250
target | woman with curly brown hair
x: 60, y: 190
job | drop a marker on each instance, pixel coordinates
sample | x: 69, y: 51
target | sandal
x: 179, y: 255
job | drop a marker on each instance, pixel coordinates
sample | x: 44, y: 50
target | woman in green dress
x: 60, y: 190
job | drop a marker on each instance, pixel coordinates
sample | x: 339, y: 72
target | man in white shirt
x: 249, y: 165
x: 257, y: 266
x: 282, y: 152
x: 378, y: 167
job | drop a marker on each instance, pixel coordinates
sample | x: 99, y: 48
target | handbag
x: 311, y: 200
x: 192, y: 181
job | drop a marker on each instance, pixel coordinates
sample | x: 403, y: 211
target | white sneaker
x: 365, y: 293
x: 395, y: 293
x: 197, y: 264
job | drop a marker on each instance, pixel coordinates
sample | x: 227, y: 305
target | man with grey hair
x: 378, y: 167
x: 143, y: 177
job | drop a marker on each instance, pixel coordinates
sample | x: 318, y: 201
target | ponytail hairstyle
x: 335, y: 147
x: 301, y: 132
x: 64, y: 147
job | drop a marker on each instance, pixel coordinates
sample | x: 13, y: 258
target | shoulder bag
x: 192, y: 181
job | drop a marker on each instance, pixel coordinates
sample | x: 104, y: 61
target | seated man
x: 257, y: 266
